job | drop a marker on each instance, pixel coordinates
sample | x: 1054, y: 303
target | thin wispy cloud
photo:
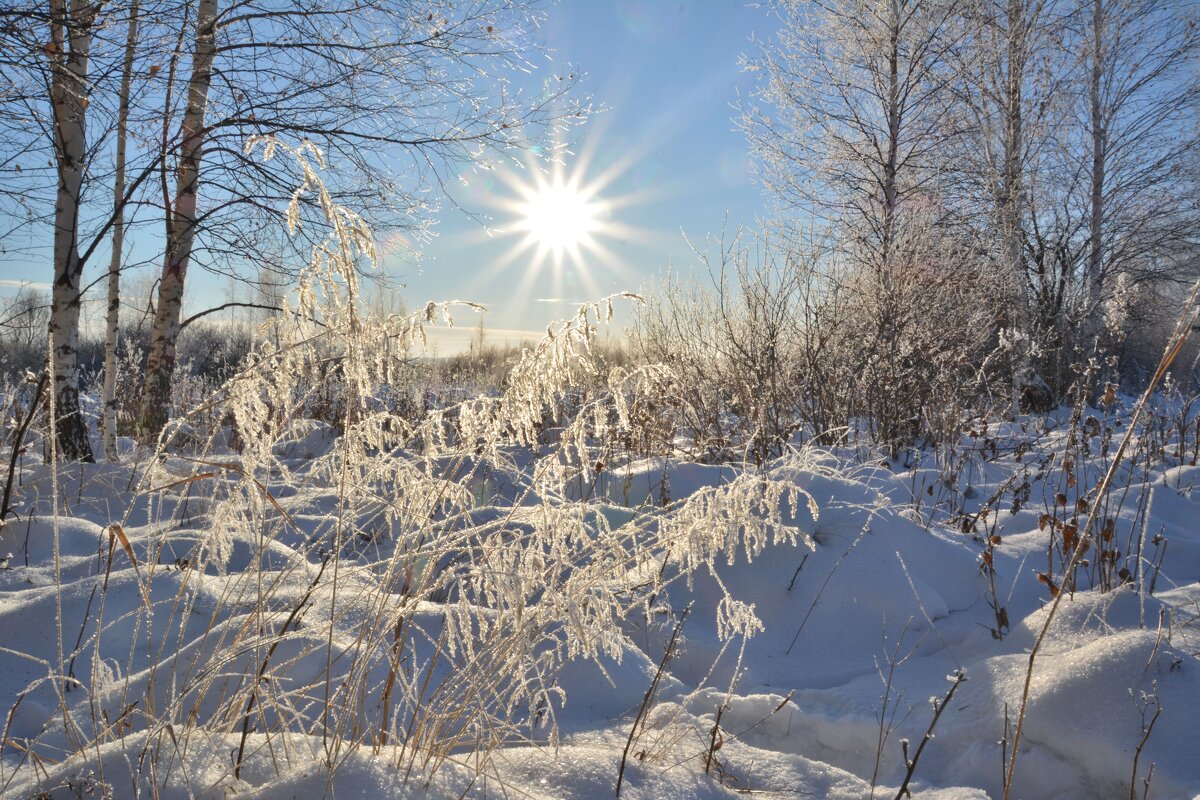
x: 8, y: 283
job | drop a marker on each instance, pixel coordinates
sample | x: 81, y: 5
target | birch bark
x: 108, y: 420
x: 181, y: 231
x: 69, y: 49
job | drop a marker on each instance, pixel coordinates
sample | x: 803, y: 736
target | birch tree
x: 58, y: 117
x: 1081, y: 123
x: 850, y: 119
x: 1141, y: 118
x: 1010, y: 67
x: 108, y: 433
x: 850, y: 127
x: 1012, y: 100
x: 181, y: 227
x: 397, y: 94
x: 68, y: 49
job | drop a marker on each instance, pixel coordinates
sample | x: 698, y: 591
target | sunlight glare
x: 559, y: 217
x: 563, y: 220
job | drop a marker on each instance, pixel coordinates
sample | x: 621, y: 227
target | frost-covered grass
x: 493, y: 671
x: 487, y: 597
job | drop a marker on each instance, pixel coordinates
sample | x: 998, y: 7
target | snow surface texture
x: 864, y: 626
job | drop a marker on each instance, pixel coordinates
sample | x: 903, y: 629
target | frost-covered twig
x: 643, y: 709
x: 1148, y: 701
x: 938, y: 707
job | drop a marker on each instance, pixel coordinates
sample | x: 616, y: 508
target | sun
x: 567, y: 224
x: 559, y: 217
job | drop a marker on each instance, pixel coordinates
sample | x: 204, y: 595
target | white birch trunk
x: 108, y: 422
x: 69, y: 49
x: 1095, y: 271
x: 160, y: 362
x: 1012, y: 195
x: 891, y: 196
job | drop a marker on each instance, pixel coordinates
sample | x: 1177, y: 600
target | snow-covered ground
x: 881, y: 599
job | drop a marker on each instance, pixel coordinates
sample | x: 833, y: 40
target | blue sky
x: 662, y: 155
x: 666, y: 74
